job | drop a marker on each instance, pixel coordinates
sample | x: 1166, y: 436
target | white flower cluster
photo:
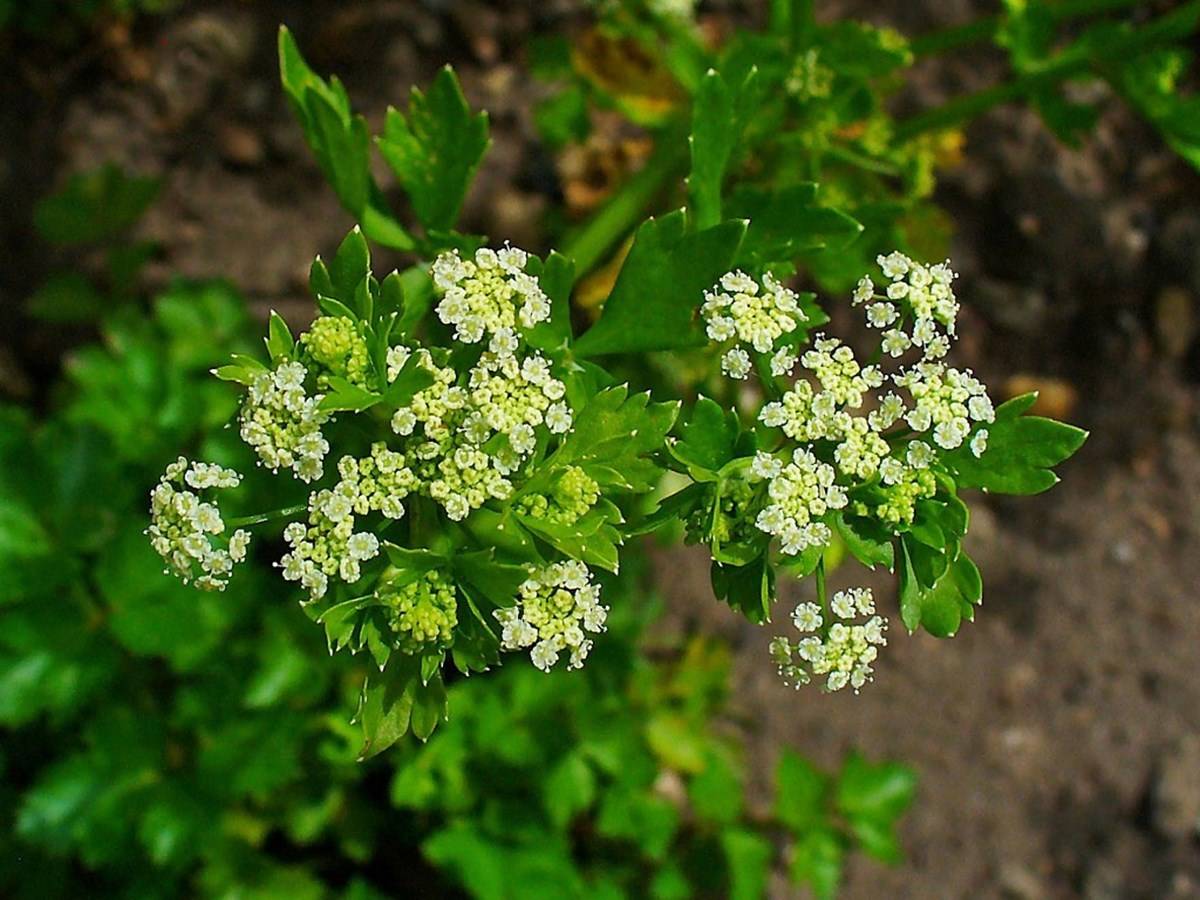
x: 737, y: 309
x: 556, y: 608
x: 800, y: 493
x: 947, y: 400
x: 912, y: 293
x: 446, y: 425
x: 806, y: 414
x: 490, y: 295
x: 183, y: 527
x: 842, y: 648
x: 283, y: 424
x: 328, y: 546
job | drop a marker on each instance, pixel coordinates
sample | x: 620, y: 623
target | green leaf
x: 750, y: 589
x: 409, y: 381
x: 346, y: 397
x: 800, y: 793
x: 497, y: 581
x: 749, y: 856
x: 709, y: 438
x: 880, y: 791
x: 787, y: 222
x: 386, y: 704
x: 716, y: 790
x: 435, y: 150
x: 614, y: 435
x: 340, y: 142
x: 94, y: 206
x: 654, y: 303
x: 817, y: 859
x: 557, y: 277
x: 279, y: 339
x: 714, y: 135
x: 67, y: 297
x: 936, y: 597
x: 569, y: 789
x: 866, y: 540
x: 429, y: 706
x: 1021, y: 452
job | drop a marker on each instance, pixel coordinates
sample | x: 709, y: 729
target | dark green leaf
x: 94, y: 206
x: 654, y: 303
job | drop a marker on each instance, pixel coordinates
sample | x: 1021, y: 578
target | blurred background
x: 161, y: 743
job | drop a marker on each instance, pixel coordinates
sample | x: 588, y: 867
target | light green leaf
x: 435, y: 150
x: 800, y: 793
x: 749, y: 856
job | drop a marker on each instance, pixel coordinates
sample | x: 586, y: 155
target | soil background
x: 1058, y: 738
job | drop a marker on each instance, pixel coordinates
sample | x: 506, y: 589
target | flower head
x: 556, y: 608
x: 188, y: 532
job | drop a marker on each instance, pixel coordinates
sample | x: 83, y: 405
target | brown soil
x: 1058, y: 737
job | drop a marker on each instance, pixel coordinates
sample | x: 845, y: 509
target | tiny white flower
x: 736, y: 363
x: 979, y: 442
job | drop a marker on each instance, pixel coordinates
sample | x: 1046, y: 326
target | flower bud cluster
x: 328, y: 546
x: 840, y: 643
x: 335, y: 345
x: 737, y: 310
x: 490, y: 294
x: 799, y: 493
x: 183, y: 527
x: 283, y: 423
x: 572, y: 497
x: 556, y: 608
x: 422, y: 613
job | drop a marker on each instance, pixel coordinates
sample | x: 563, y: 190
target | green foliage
x: 654, y: 301
x: 435, y: 150
x: 93, y: 210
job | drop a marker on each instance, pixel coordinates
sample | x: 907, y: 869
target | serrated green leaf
x: 750, y: 588
x: 346, y: 397
x: 435, y: 150
x: 339, y: 140
x: 1021, y: 452
x: 657, y: 295
x: 279, y: 339
x: 867, y: 542
x: 787, y: 222
x: 709, y: 438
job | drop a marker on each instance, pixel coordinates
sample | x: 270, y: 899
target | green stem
x: 821, y: 594
x: 1071, y: 62
x: 588, y: 243
x: 804, y: 24
x: 862, y: 161
x: 985, y: 30
x: 286, y: 513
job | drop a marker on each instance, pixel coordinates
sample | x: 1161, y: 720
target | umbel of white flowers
x: 557, y: 607
x: 835, y: 644
x: 188, y: 532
